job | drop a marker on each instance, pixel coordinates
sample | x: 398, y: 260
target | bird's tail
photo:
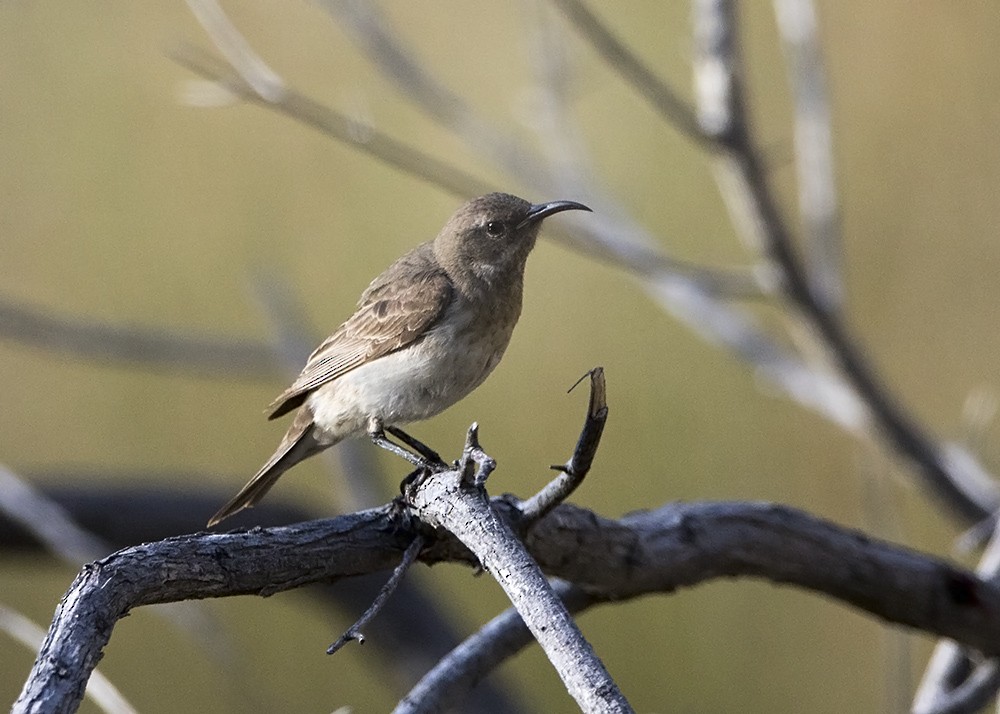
x: 297, y: 444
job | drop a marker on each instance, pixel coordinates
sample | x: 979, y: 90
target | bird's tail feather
x: 297, y: 444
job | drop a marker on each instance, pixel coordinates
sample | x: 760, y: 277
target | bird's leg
x: 378, y: 437
x: 420, y: 447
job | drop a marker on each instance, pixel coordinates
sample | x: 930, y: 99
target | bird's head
x: 489, y: 238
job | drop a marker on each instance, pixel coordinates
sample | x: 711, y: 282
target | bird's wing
x: 392, y: 313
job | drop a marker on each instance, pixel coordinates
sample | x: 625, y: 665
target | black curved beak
x: 538, y: 211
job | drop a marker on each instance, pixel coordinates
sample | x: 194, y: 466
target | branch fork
x: 456, y: 500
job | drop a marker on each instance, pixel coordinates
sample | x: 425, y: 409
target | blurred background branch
x: 150, y: 348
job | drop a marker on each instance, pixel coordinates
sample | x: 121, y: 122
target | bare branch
x: 184, y: 568
x: 550, y: 113
x: 49, y: 522
x: 954, y: 682
x: 716, y: 71
x: 678, y: 545
x: 634, y: 71
x: 445, y: 686
x: 99, y: 689
x: 575, y: 470
x: 106, y: 343
x: 455, y: 500
x: 406, y: 647
x: 265, y: 82
x: 744, y: 183
x: 818, y: 204
x: 354, y: 631
x: 338, y: 126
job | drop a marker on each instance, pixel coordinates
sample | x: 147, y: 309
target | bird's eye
x: 495, y: 229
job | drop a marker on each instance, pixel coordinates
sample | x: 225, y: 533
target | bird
x: 426, y: 332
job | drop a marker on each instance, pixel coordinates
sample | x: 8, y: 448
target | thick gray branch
x: 659, y: 551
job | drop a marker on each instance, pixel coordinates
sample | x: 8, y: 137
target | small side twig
x: 354, y: 631
x: 575, y: 470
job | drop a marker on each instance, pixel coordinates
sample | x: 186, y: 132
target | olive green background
x: 120, y: 202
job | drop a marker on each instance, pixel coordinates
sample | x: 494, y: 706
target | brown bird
x: 426, y: 332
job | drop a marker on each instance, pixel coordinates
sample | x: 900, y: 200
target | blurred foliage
x: 119, y: 202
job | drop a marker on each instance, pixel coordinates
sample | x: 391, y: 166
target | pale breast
x: 419, y: 381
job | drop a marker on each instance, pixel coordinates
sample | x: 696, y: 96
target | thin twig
x: 337, y: 125
x: 237, y: 50
x: 575, y: 470
x: 560, y: 138
x: 354, y: 631
x: 619, y: 58
x: 954, y: 684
